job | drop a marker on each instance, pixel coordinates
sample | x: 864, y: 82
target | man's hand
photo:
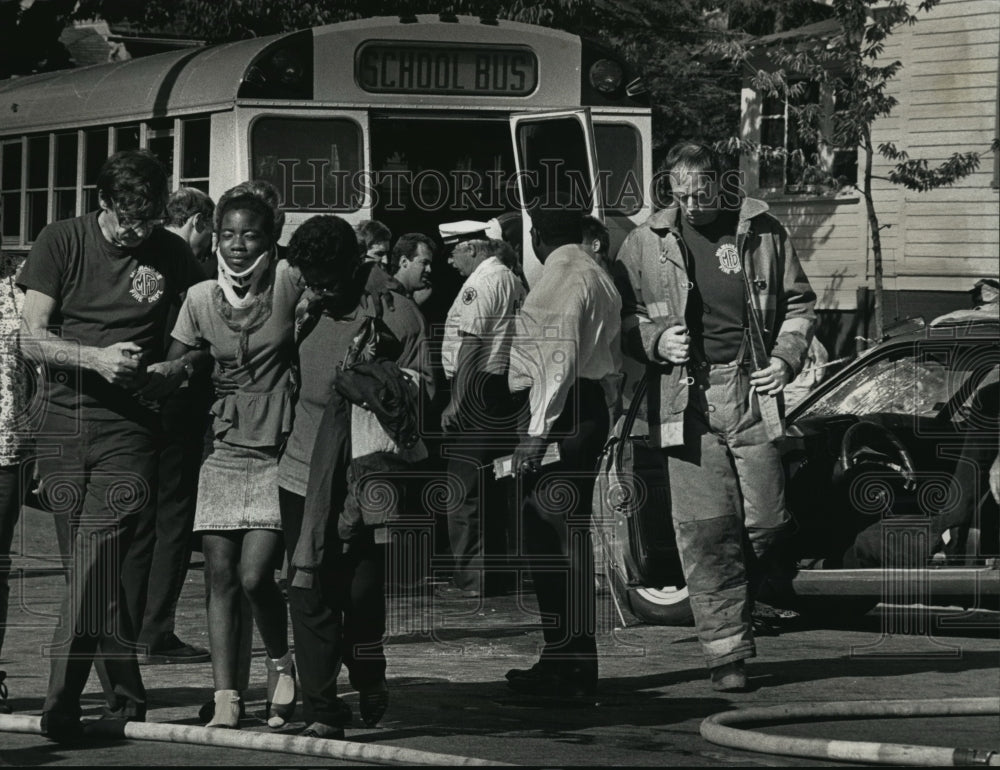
x: 772, y: 379
x: 528, y: 455
x: 449, y: 418
x: 119, y: 364
x: 674, y: 345
x: 163, y: 379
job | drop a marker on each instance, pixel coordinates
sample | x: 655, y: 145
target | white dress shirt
x: 485, y: 308
x: 568, y: 329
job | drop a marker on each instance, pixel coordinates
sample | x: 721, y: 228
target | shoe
x: 281, y: 690
x: 320, y: 730
x: 182, y: 653
x: 207, y: 712
x: 228, y: 709
x: 126, y: 711
x: 564, y: 680
x: 373, y: 703
x: 61, y: 728
x: 732, y: 677
x: 4, y: 706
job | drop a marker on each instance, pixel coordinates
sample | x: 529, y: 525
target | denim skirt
x: 238, y: 489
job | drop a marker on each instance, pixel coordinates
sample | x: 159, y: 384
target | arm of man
x: 546, y: 365
x: 471, y: 355
x: 796, y: 309
x: 410, y: 328
x: 119, y: 363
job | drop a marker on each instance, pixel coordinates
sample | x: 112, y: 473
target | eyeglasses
x: 318, y: 287
x: 133, y: 223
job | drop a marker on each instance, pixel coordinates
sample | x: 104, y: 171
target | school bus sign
x: 395, y: 67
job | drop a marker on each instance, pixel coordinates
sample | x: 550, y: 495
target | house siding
x: 941, y: 240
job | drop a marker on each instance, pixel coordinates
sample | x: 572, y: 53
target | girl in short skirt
x: 246, y: 318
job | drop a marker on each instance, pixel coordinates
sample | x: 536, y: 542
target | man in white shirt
x: 567, y: 339
x: 480, y: 420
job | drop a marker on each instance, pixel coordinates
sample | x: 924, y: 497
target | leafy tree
x: 851, y: 63
x: 690, y: 97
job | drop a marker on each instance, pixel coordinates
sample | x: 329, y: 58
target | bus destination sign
x: 397, y: 67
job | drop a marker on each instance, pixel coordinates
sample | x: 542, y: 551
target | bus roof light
x: 283, y: 70
x: 606, y: 75
x: 408, y: 18
x: 448, y: 17
x: 490, y: 19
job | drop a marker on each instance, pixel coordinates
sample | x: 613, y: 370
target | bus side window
x: 619, y: 157
x: 195, y: 152
x: 10, y: 189
x: 555, y: 161
x: 95, y: 153
x: 314, y: 162
x: 64, y: 186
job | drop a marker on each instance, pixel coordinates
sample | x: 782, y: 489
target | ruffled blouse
x: 260, y: 413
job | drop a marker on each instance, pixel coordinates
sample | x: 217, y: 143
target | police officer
x: 566, y: 341
x: 718, y: 308
x: 480, y: 419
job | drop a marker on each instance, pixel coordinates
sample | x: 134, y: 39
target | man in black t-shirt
x: 153, y: 573
x: 716, y: 304
x: 97, y: 293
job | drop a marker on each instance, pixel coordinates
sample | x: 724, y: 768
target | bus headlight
x: 606, y: 76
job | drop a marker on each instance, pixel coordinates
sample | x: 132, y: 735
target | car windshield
x: 919, y: 380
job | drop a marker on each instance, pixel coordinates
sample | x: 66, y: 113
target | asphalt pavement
x: 447, y: 658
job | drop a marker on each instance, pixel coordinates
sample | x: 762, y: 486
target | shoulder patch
x: 468, y: 295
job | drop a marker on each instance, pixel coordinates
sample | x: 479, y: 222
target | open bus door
x: 554, y: 155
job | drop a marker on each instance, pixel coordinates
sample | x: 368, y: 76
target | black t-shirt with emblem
x: 105, y: 295
x: 716, y: 307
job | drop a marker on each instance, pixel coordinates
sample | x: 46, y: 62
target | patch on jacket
x: 729, y: 258
x: 468, y: 295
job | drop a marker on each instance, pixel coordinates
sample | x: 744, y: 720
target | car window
x: 918, y: 381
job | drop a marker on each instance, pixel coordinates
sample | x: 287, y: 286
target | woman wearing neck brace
x: 245, y: 318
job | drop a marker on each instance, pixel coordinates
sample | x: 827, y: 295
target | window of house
x: 794, y: 155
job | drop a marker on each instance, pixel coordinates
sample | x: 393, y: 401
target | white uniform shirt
x: 568, y: 329
x: 485, y: 308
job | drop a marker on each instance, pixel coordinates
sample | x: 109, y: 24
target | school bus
x: 412, y: 121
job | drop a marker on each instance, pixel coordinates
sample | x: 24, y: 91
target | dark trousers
x: 97, y: 478
x: 10, y: 509
x: 340, y: 619
x: 556, y: 529
x: 477, y: 516
x: 162, y: 544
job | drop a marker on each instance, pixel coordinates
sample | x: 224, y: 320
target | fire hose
x: 720, y: 729
x: 245, y: 739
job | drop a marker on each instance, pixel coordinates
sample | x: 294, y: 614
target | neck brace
x: 247, y: 283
